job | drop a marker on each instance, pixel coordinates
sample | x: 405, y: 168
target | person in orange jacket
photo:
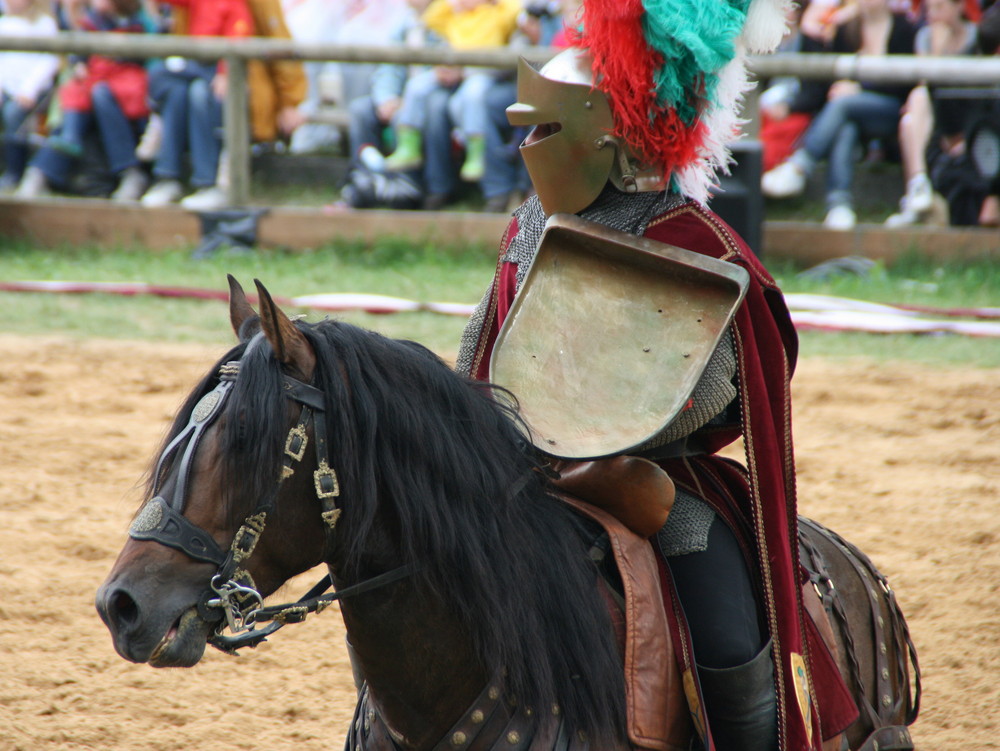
x: 277, y: 87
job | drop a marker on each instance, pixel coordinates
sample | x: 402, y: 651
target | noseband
x: 232, y: 595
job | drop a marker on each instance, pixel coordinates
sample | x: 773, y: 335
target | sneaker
x: 840, y: 218
x: 903, y: 218
x: 919, y: 194
x: 149, y: 145
x: 131, y: 186
x: 33, y: 184
x: 163, y: 193
x: 784, y: 181
x: 206, y: 199
x: 371, y: 158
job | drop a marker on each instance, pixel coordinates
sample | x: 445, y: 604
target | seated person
x: 466, y: 24
x: 855, y: 112
x: 947, y: 32
x: 188, y: 95
x: 25, y: 80
x: 106, y: 93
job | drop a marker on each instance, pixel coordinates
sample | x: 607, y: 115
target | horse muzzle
x: 151, y: 629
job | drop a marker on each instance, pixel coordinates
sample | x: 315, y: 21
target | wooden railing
x: 969, y: 71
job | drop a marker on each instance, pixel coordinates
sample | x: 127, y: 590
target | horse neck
x: 417, y: 660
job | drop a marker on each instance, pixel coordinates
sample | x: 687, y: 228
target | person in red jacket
x: 187, y: 95
x: 627, y: 132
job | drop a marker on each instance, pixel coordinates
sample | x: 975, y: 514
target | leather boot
x: 742, y: 705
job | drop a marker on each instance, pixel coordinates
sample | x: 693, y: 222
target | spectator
x: 505, y: 181
x: 988, y: 43
x: 25, y: 80
x: 371, y: 116
x: 103, y: 91
x: 463, y: 24
x: 187, y: 95
x: 946, y: 32
x: 855, y: 113
x: 787, y: 105
x: 358, y: 21
x: 277, y: 87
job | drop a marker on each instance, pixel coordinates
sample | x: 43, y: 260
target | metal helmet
x: 571, y: 160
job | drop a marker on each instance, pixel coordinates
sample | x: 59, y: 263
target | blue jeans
x: 118, y: 133
x: 364, y: 127
x: 15, y: 143
x: 57, y: 157
x: 192, y: 120
x: 836, y: 131
x: 468, y: 104
x: 440, y: 167
x: 505, y: 170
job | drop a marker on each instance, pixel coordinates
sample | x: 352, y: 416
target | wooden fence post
x: 237, y: 131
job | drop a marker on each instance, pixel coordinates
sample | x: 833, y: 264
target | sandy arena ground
x: 905, y: 462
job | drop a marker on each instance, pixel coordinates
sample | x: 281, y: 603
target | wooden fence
x: 969, y: 71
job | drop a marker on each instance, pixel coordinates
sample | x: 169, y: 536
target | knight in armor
x: 629, y: 128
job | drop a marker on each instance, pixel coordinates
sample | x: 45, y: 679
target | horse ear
x: 240, y: 310
x: 290, y: 346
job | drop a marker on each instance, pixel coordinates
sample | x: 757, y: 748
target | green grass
x: 425, y: 273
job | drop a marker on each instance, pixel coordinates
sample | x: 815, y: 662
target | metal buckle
x: 325, y: 480
x: 298, y: 432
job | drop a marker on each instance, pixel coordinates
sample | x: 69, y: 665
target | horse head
x: 205, y: 547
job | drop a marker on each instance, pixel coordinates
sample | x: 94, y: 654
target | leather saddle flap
x: 657, y: 711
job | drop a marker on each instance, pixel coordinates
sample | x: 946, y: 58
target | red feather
x: 624, y: 67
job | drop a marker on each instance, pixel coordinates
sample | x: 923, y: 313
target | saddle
x: 630, y: 498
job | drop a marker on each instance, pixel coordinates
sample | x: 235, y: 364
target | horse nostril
x: 124, y: 610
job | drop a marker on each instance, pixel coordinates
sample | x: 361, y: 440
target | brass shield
x: 608, y: 336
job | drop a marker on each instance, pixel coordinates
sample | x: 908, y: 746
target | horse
x: 475, y: 614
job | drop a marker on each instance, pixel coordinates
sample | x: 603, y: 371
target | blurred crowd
x: 425, y: 136
x: 945, y: 137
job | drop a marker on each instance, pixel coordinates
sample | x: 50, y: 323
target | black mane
x: 419, y: 448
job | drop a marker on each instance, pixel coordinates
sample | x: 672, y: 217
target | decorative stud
x: 513, y: 737
x: 458, y: 738
x: 330, y: 517
x: 494, y: 693
x: 206, y: 406
x: 477, y: 716
x: 555, y: 709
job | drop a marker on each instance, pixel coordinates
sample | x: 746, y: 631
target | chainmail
x: 686, y: 530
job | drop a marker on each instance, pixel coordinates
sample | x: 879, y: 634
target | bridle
x: 232, y: 598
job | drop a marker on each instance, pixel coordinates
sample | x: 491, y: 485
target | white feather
x: 765, y: 25
x: 723, y: 125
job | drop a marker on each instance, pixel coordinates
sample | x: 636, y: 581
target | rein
x: 232, y: 598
